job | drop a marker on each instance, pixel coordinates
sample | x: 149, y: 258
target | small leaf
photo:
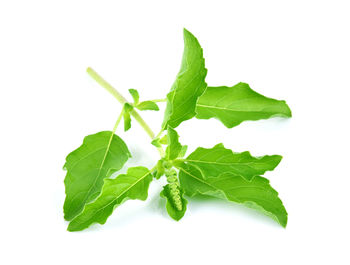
x: 127, y: 118
x: 147, y: 105
x: 256, y: 193
x: 175, y: 205
x: 131, y: 186
x: 128, y: 107
x: 174, y: 147
x: 233, y: 105
x: 127, y: 121
x: 135, y: 95
x: 99, y: 156
x: 164, y: 139
x: 217, y: 160
x: 156, y: 142
x: 188, y: 86
x: 159, y: 169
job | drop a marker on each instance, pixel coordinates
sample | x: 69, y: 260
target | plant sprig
x: 91, y: 193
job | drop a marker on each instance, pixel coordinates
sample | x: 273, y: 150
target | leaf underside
x: 99, y: 156
x: 188, y: 86
x: 233, y: 105
x: 257, y: 193
x: 131, y: 186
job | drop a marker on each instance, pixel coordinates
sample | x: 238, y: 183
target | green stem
x: 106, y: 85
x: 123, y: 100
x: 143, y: 124
x: 118, y: 120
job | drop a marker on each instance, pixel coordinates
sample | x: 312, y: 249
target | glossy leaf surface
x: 131, y: 186
x: 99, y: 156
x: 233, y: 105
x: 188, y: 86
x: 256, y: 193
x: 212, y: 162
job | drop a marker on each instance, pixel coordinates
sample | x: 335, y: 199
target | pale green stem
x: 143, y: 124
x: 118, y: 120
x: 123, y: 100
x: 106, y: 85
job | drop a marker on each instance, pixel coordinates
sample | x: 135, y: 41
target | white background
x: 293, y: 50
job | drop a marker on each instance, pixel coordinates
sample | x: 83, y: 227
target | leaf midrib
x: 111, y: 202
x: 100, y: 168
x: 197, y: 178
x: 216, y: 188
x: 221, y: 163
x: 231, y: 110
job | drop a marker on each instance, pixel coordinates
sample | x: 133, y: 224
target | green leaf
x: 233, y: 105
x: 147, y: 105
x: 217, y: 160
x: 188, y: 86
x: 99, y: 156
x: 127, y: 121
x: 256, y: 193
x: 159, y: 169
x: 131, y: 186
x: 135, y: 95
x: 164, y: 139
x: 127, y: 117
x: 156, y: 142
x: 174, y: 147
x: 175, y: 209
x: 183, y: 151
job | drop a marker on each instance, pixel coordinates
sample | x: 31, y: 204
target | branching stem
x: 123, y: 100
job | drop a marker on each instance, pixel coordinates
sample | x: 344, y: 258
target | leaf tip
x: 187, y: 34
x: 185, y: 31
x: 284, y: 222
x: 72, y: 228
x: 288, y: 110
x: 68, y: 215
x: 220, y: 145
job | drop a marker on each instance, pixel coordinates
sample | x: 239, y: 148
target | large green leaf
x: 176, y: 204
x: 256, y: 194
x: 233, y: 105
x: 99, y: 156
x: 218, y: 160
x: 188, y: 86
x: 131, y: 186
x: 174, y: 147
